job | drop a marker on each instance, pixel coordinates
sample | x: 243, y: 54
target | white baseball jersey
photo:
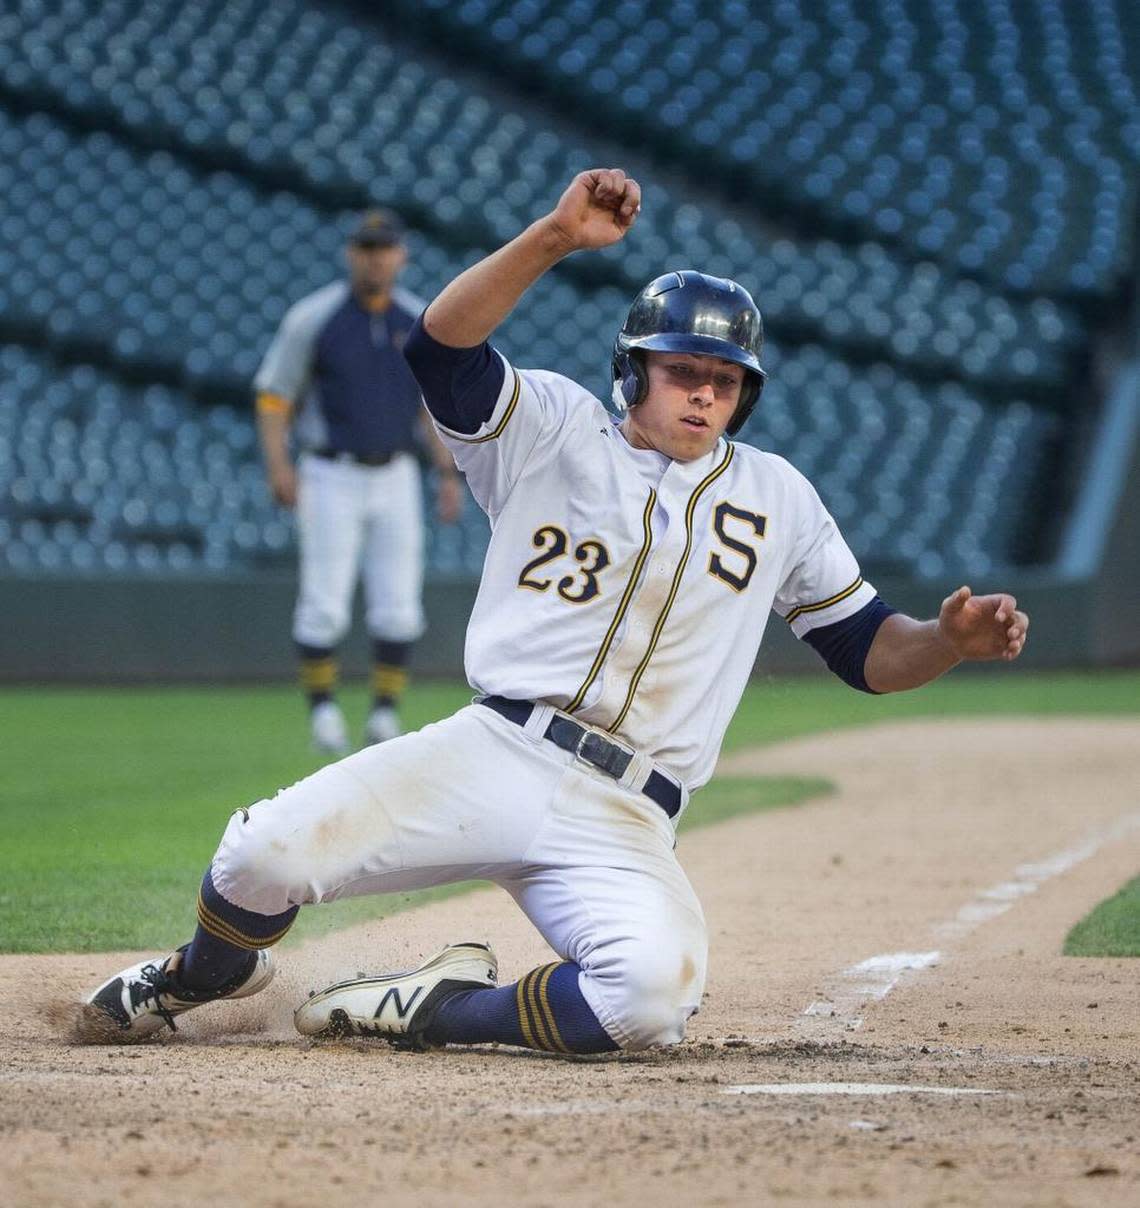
x: 632, y: 590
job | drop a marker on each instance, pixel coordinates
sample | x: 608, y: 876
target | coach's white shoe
x: 398, y: 1007
x: 329, y: 729
x: 146, y: 997
x: 382, y: 724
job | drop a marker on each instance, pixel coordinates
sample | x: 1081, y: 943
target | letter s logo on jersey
x: 724, y: 513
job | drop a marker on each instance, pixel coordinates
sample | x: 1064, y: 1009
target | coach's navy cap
x: 378, y: 228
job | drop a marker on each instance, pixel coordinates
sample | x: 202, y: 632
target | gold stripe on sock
x: 220, y: 929
x: 388, y: 680
x: 547, y: 1010
x: 524, y: 1022
x: 227, y: 934
x: 539, y: 1023
x: 318, y: 675
x: 223, y: 931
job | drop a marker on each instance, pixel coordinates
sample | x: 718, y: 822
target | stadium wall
x: 237, y: 629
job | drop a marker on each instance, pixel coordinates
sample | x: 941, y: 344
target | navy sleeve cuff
x: 844, y: 645
x: 460, y: 385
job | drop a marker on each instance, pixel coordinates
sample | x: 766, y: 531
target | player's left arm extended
x: 906, y: 653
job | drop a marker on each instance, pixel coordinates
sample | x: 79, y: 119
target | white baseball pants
x: 348, y: 514
x: 590, y: 861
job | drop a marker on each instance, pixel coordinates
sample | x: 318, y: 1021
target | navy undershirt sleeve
x: 460, y: 385
x: 844, y: 645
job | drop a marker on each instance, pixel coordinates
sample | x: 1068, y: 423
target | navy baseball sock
x: 545, y: 1010
x: 318, y: 672
x: 226, y: 939
x: 389, y: 671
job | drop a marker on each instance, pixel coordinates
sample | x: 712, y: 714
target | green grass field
x: 113, y: 799
x: 1112, y: 929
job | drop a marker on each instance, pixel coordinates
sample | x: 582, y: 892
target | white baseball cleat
x: 383, y: 724
x: 328, y: 728
x: 146, y: 997
x: 398, y: 1007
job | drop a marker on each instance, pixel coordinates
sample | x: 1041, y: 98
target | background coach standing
x: 335, y: 372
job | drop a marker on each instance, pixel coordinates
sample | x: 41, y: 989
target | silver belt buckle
x: 607, y: 750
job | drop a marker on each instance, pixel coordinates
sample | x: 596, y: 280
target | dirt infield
x: 904, y: 933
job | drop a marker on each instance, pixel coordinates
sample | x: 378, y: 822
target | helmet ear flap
x: 631, y: 383
x: 749, y: 397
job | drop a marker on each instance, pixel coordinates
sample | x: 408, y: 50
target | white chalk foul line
x: 849, y: 1088
x: 873, y: 979
x: 1028, y: 878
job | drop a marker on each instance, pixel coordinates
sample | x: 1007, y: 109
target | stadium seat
x: 928, y: 259
x: 98, y: 476
x: 337, y: 108
x: 1001, y: 144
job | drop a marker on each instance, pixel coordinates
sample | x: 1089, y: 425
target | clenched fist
x: 597, y: 209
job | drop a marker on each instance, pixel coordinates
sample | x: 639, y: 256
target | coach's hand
x: 597, y: 209
x: 983, y: 627
x: 448, y: 498
x: 283, y: 484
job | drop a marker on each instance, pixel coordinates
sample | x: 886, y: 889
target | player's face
x: 688, y: 405
x: 374, y: 270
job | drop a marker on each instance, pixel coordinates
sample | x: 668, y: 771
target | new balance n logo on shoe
x: 398, y: 1007
x: 402, y: 1008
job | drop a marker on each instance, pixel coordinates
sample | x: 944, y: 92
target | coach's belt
x: 590, y: 747
x: 359, y: 459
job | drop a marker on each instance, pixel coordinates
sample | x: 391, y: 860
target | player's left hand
x: 983, y: 627
x: 448, y: 498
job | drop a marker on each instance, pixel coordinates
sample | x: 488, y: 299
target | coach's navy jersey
x: 343, y: 368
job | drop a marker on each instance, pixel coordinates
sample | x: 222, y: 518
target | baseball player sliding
x: 632, y: 568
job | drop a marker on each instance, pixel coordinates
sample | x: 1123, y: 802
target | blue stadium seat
x: 97, y: 476
x: 335, y: 107
x: 1002, y: 143
x: 971, y: 228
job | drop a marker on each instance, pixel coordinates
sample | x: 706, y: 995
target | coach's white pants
x: 349, y: 514
x: 476, y: 797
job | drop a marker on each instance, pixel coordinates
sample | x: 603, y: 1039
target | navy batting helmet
x: 690, y: 312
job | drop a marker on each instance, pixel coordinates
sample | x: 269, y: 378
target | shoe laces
x: 152, y: 982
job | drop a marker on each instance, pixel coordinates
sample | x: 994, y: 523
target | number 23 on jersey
x: 575, y: 588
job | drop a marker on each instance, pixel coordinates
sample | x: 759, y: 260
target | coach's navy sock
x: 545, y: 1010
x: 226, y: 939
x: 318, y: 668
x: 389, y: 671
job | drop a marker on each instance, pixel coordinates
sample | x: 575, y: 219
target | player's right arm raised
x: 597, y: 209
